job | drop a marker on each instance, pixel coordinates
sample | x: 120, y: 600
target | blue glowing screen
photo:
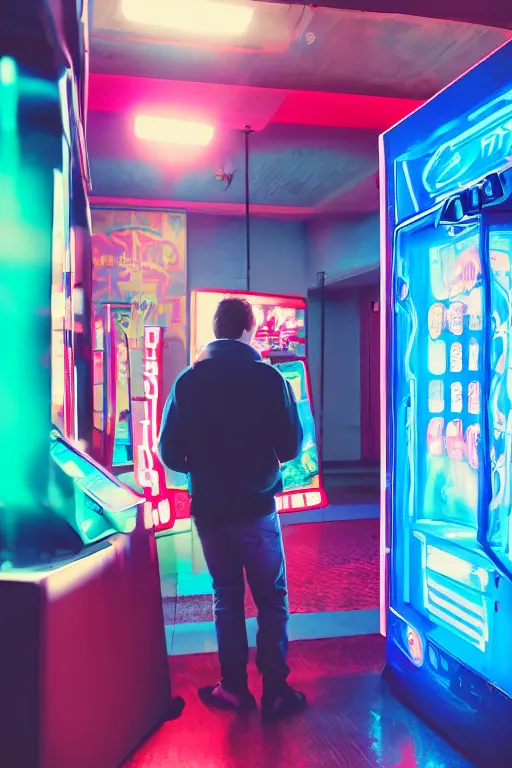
x: 301, y: 472
x: 439, y: 313
x: 451, y: 425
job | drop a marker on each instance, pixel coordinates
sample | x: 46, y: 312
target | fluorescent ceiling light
x: 204, y: 17
x: 171, y: 131
x: 7, y: 70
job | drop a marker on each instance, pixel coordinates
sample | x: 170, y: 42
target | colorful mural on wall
x: 139, y: 263
x: 144, y: 252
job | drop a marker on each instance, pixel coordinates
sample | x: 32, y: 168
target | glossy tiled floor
x: 353, y: 721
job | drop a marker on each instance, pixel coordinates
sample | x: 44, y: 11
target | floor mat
x: 331, y: 567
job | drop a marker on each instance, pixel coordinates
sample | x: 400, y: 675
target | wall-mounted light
x: 169, y: 131
x: 202, y: 17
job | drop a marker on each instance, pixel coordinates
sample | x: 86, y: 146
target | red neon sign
x: 148, y: 467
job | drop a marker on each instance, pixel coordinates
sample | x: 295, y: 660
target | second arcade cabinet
x: 280, y: 338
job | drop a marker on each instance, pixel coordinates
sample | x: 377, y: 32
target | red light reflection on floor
x: 353, y: 721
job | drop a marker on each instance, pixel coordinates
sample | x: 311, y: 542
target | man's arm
x: 172, y: 446
x: 287, y: 427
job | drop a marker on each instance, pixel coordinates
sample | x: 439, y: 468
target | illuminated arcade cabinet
x: 281, y: 340
x: 446, y: 185
x: 127, y: 374
x: 83, y: 659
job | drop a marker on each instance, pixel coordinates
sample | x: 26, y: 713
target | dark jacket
x: 228, y: 423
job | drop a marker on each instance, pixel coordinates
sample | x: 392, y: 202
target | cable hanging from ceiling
x: 247, y: 132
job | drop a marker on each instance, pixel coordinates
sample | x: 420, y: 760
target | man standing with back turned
x: 228, y: 423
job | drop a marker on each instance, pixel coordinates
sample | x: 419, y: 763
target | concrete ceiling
x: 493, y: 13
x: 317, y: 85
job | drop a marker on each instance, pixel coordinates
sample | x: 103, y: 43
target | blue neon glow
x: 450, y: 396
x: 455, y: 156
x: 500, y: 396
x: 482, y: 148
x: 442, y: 426
x: 302, y: 472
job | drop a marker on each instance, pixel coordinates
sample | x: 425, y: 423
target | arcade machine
x: 127, y: 366
x: 446, y: 186
x: 74, y: 541
x: 281, y: 340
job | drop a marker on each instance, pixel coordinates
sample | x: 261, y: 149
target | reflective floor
x: 336, y: 658
x: 353, y: 721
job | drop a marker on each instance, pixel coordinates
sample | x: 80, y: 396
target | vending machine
x: 446, y: 195
x: 280, y: 338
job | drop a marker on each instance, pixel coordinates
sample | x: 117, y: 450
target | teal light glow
x: 26, y: 159
x: 8, y: 97
x: 302, y: 472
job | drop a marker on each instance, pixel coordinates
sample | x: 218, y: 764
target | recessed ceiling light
x: 171, y: 131
x: 203, y: 17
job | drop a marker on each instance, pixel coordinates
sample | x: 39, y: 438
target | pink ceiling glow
x: 316, y: 85
x: 235, y: 106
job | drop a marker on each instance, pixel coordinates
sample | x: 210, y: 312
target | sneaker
x: 218, y: 697
x: 281, y: 705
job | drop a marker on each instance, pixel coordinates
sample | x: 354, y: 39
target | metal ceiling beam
x: 490, y: 13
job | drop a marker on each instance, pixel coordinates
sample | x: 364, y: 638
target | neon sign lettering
x: 150, y: 472
x: 147, y: 474
x: 484, y: 148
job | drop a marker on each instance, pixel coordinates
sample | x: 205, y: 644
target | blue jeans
x: 255, y: 546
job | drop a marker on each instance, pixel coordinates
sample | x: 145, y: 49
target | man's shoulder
x: 183, y: 378
x: 269, y: 374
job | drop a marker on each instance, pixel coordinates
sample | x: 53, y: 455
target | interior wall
x: 342, y: 375
x: 343, y: 247
x: 285, y: 258
x: 346, y: 249
x: 217, y: 254
x: 342, y: 393
x: 369, y: 306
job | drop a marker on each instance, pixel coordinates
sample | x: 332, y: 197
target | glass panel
x: 98, y: 374
x: 439, y: 313
x: 437, y: 419
x: 500, y: 396
x: 82, y: 492
x: 302, y: 472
